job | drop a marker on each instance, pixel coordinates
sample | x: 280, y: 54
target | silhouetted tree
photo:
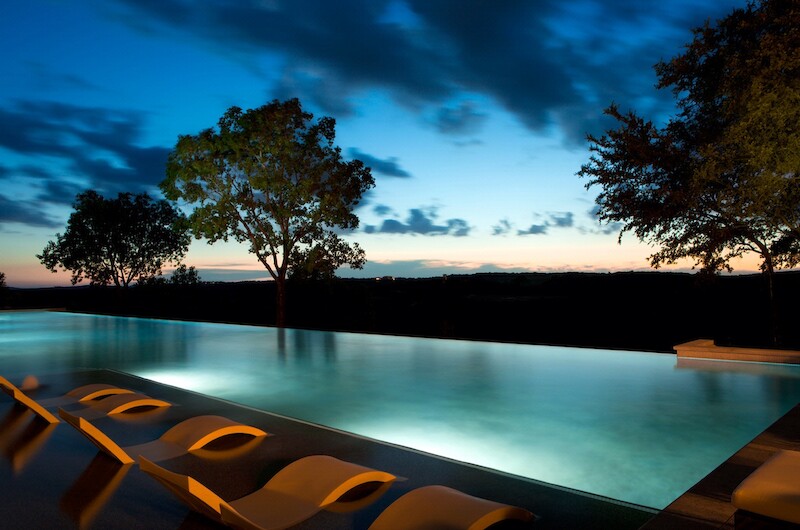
x: 274, y: 179
x: 320, y: 261
x: 118, y: 240
x: 720, y: 179
x: 180, y: 276
x: 2, y: 280
x: 183, y: 275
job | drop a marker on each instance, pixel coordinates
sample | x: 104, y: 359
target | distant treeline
x: 649, y: 311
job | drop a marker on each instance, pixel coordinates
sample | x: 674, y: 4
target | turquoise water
x: 627, y: 425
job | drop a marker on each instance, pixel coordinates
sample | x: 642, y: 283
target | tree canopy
x: 182, y: 276
x: 720, y: 179
x: 272, y: 177
x: 119, y: 240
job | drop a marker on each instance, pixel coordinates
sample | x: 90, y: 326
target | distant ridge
x: 648, y: 310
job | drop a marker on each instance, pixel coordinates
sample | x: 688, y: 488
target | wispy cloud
x: 534, y: 230
x: 463, y: 119
x: 551, y: 220
x: 96, y: 146
x: 421, y: 221
x: 598, y: 227
x: 24, y: 212
x: 548, y: 62
x: 503, y: 227
x: 389, y: 167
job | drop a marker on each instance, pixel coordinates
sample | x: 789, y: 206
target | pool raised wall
x: 706, y: 349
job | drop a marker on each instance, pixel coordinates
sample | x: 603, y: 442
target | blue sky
x: 472, y: 115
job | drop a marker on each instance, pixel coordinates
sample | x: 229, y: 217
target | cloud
x: 348, y: 43
x: 549, y: 62
x: 382, y: 210
x: 424, y: 269
x: 534, y: 230
x: 562, y: 219
x: 502, y: 227
x: 461, y: 120
x: 553, y: 220
x: 24, y: 212
x: 421, y: 221
x: 233, y: 275
x: 46, y: 78
x: 95, y: 145
x: 601, y: 227
x: 388, y: 167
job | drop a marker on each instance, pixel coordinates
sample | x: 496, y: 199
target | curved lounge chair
x: 85, y: 395
x: 189, y: 436
x: 119, y: 403
x: 773, y: 488
x: 442, y: 507
x: 20, y: 397
x: 296, y: 493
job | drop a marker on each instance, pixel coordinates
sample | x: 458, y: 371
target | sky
x: 473, y: 116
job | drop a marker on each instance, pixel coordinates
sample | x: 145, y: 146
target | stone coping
x: 706, y: 349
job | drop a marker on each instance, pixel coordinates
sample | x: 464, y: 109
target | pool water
x: 627, y: 425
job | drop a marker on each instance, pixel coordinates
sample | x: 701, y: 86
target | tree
x: 185, y: 276
x: 273, y: 178
x: 181, y: 276
x: 720, y: 179
x: 118, y: 240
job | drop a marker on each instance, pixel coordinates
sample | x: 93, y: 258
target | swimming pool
x: 627, y: 425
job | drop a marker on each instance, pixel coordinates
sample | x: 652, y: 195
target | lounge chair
x: 441, y: 507
x: 189, y: 436
x: 773, y: 489
x: 20, y: 397
x: 295, y: 494
x: 89, y: 395
x: 85, y: 394
x: 118, y: 404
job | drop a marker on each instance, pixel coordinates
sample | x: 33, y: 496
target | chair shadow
x: 93, y: 489
x: 20, y: 442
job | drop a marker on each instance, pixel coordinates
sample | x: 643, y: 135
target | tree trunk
x: 769, y: 271
x: 280, y: 301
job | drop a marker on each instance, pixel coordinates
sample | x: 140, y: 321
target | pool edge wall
x: 706, y: 349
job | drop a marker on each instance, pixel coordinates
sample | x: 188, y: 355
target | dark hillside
x: 643, y: 311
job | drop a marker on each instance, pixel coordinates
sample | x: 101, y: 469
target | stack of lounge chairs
x: 293, y: 495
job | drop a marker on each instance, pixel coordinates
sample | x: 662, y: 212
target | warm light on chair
x: 773, y: 489
x: 190, y: 435
x: 432, y: 507
x: 295, y: 494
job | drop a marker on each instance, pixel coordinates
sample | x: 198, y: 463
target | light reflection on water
x: 631, y: 426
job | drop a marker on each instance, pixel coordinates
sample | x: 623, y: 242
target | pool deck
x: 52, y: 477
